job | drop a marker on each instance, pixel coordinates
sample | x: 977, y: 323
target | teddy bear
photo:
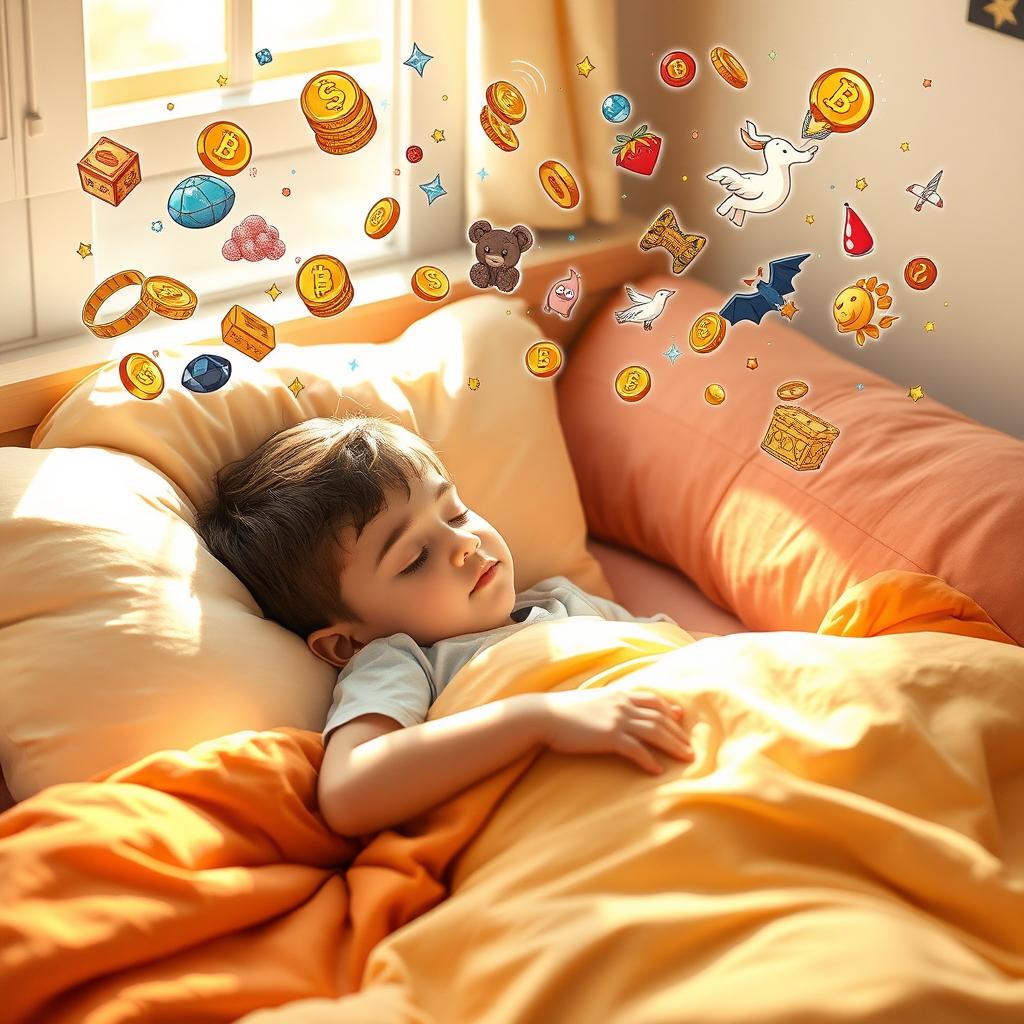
x: 497, y: 253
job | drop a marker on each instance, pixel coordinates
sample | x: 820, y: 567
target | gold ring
x: 101, y: 293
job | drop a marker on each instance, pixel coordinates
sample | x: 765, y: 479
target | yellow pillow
x: 120, y: 634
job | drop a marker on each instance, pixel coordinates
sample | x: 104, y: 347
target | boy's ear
x: 334, y: 645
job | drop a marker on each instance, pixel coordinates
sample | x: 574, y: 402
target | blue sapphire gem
x: 206, y: 374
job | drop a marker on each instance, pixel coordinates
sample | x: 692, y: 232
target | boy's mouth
x: 486, y: 576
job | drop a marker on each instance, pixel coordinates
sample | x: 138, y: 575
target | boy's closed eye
x: 459, y: 520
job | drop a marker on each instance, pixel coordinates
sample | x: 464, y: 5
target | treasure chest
x: 798, y: 438
x: 109, y: 171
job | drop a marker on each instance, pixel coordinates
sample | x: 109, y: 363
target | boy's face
x: 420, y: 580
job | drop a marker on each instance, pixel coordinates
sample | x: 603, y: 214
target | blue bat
x: 768, y: 297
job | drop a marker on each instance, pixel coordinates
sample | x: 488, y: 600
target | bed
x: 847, y: 846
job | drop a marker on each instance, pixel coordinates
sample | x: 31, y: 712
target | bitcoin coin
x: 707, y: 332
x: 840, y: 100
x: 169, y: 298
x: 544, y: 359
x: 430, y: 283
x: 140, y: 376
x: 559, y: 184
x: 498, y: 131
x: 792, y: 390
x: 729, y: 67
x: 920, y: 273
x: 329, y: 99
x: 632, y: 383
x: 506, y: 101
x: 382, y: 218
x: 678, y: 68
x: 323, y: 285
x: 224, y: 148
x: 714, y: 394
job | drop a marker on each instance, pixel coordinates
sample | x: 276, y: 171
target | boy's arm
x: 372, y: 784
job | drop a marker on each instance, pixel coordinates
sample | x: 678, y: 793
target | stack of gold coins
x: 339, y: 112
x: 324, y: 286
x: 505, y: 107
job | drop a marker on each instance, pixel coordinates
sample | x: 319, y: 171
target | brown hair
x: 277, y: 514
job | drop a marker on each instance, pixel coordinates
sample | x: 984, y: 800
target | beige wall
x: 963, y: 124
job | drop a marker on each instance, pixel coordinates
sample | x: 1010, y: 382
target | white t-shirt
x: 395, y: 676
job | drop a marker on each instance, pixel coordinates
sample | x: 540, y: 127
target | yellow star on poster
x: 862, y: 183
x: 474, y: 383
x: 585, y: 67
x: 789, y: 309
x: 916, y: 393
x: 1001, y: 10
x: 296, y: 386
x: 905, y: 146
x: 84, y: 250
x: 437, y: 135
x: 930, y: 325
x: 809, y: 218
x: 752, y: 363
x: 273, y: 291
x: 222, y: 80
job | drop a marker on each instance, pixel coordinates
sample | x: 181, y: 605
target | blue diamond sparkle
x: 433, y: 189
x: 417, y: 60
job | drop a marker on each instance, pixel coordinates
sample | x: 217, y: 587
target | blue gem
x: 615, y: 108
x: 264, y: 56
x: 433, y: 189
x: 206, y: 374
x: 200, y: 201
x: 417, y: 60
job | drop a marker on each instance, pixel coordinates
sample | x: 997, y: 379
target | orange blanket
x: 203, y: 885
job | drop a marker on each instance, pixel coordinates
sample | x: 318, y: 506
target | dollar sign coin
x: 430, y: 283
x: 382, y: 218
x: 169, y: 297
x: 224, y: 148
x: 329, y: 100
x: 140, y: 376
x: 544, y: 359
x: 707, y: 332
x: 920, y: 273
x: 632, y: 383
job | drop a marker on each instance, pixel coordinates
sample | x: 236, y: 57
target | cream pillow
x: 120, y: 634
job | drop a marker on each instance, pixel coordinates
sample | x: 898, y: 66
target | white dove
x: 760, y: 191
x: 645, y: 309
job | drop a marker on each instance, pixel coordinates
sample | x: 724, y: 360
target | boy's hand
x: 607, y: 721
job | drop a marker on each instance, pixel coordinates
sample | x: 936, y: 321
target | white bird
x: 645, y: 309
x: 760, y: 191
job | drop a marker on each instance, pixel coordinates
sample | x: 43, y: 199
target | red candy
x: 414, y: 154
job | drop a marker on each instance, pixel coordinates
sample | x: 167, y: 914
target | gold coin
x: 559, y: 184
x: 329, y: 99
x: 792, y: 389
x: 497, y: 131
x: 169, y: 298
x: 714, y: 394
x: 729, y: 67
x: 353, y: 125
x: 382, y: 218
x: 140, y: 376
x: 338, y: 145
x: 323, y: 284
x: 544, y: 359
x: 430, y: 283
x: 632, y: 383
x: 506, y: 101
x: 224, y: 148
x: 707, y: 332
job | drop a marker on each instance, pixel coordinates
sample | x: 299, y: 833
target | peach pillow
x: 905, y: 485
x: 120, y: 634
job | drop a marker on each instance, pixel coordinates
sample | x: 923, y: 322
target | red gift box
x: 637, y: 152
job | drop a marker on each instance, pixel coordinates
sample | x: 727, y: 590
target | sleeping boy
x: 351, y: 533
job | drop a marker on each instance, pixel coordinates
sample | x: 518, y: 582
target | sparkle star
x: 483, y: 172
x: 752, y: 363
x: 789, y: 309
x: 473, y: 383
x: 296, y: 386
x: 156, y: 225
x: 222, y: 80
x: 384, y: 104
x: 772, y: 55
x: 585, y: 67
x: 905, y: 146
x: 929, y: 326
x: 437, y: 135
x: 916, y: 393
x: 417, y: 60
x: 353, y: 364
x: 1001, y: 10
x: 673, y: 353
x: 84, y: 250
x: 433, y: 190
x: 273, y: 291
x: 862, y: 183
x: 809, y: 218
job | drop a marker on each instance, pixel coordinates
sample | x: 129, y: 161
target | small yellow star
x: 809, y: 218
x: 905, y: 146
x: 1001, y: 10
x: 752, y: 363
x: 862, y: 183
x: 437, y: 135
x: 789, y: 309
x: 916, y: 393
x: 273, y: 291
x: 474, y: 383
x: 585, y: 67
x: 930, y: 326
x: 296, y: 386
x: 84, y: 250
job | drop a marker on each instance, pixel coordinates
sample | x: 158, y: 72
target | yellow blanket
x: 848, y: 845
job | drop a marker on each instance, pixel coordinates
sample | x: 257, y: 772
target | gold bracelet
x: 101, y: 293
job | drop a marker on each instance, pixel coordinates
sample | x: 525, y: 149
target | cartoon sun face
x: 855, y: 306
